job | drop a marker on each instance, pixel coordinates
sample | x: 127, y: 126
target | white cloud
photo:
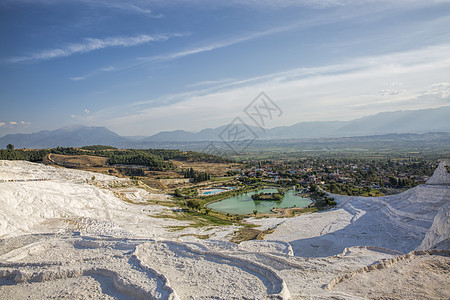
x: 335, y: 92
x: 229, y: 41
x: 123, y: 6
x: 440, y: 90
x: 187, y: 52
x: 130, y: 6
x: 209, y: 83
x: 15, y: 124
x: 87, y: 111
x: 89, y: 44
x: 389, y: 92
x: 203, y: 48
x: 93, y: 73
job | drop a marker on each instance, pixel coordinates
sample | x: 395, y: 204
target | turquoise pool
x: 244, y: 204
x: 212, y: 192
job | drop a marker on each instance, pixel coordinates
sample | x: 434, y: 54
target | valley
x: 142, y: 241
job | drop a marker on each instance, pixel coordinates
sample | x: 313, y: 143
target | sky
x: 141, y: 67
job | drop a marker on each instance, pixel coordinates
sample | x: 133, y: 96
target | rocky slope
x: 73, y: 238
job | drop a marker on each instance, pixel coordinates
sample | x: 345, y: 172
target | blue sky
x: 140, y: 67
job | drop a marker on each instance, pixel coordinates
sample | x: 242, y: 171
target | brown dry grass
x: 247, y: 234
x: 77, y: 160
x: 162, y: 180
x: 215, y: 169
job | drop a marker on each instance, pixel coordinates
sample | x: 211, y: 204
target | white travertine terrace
x: 70, y: 237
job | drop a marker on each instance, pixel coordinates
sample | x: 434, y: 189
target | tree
x: 194, y: 204
x: 393, y: 181
x: 313, y: 188
x: 178, y: 193
x: 10, y: 147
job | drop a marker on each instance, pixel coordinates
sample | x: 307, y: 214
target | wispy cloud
x: 342, y: 91
x: 89, y: 44
x: 93, y: 73
x: 86, y: 112
x: 122, y: 6
x: 222, y: 43
x: 137, y: 7
x: 187, y: 52
x: 12, y: 124
x: 210, y: 83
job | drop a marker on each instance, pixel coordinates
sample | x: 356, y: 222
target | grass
x: 245, y: 234
x: 78, y: 160
x: 221, y: 179
x: 249, y: 233
x: 199, y: 236
x: 196, y: 219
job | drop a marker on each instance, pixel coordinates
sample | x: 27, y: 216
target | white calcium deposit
x: 69, y: 236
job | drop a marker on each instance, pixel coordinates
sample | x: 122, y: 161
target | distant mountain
x: 409, y: 121
x: 398, y: 122
x: 72, y: 136
x: 209, y: 134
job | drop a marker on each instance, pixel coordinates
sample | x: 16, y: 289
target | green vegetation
x: 132, y: 171
x: 138, y: 157
x: 167, y: 154
x: 269, y: 196
x: 196, y: 175
x: 152, y: 159
x: 312, y: 173
x: 196, y: 219
x: 322, y: 200
x: 28, y: 155
x: 352, y: 190
x: 98, y: 147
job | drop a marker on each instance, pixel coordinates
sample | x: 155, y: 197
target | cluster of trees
x: 196, y: 175
x: 154, y: 159
x: 193, y: 204
x: 69, y: 151
x: 167, y: 154
x: 138, y: 157
x: 35, y: 155
x: 249, y: 180
x: 401, y: 182
x: 269, y: 196
x: 132, y: 171
x: 322, y: 199
x: 351, y: 190
x: 233, y: 173
x: 28, y: 155
x: 98, y: 147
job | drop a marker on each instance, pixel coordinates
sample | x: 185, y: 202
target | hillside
x: 72, y: 136
x: 402, y: 123
x: 70, y: 236
x: 412, y: 121
x: 398, y: 222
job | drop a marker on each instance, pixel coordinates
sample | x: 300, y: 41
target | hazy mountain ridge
x: 72, y: 136
x: 386, y: 123
x: 411, y: 121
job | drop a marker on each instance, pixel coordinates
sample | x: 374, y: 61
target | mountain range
x: 71, y: 136
x: 409, y: 121
x: 398, y: 122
